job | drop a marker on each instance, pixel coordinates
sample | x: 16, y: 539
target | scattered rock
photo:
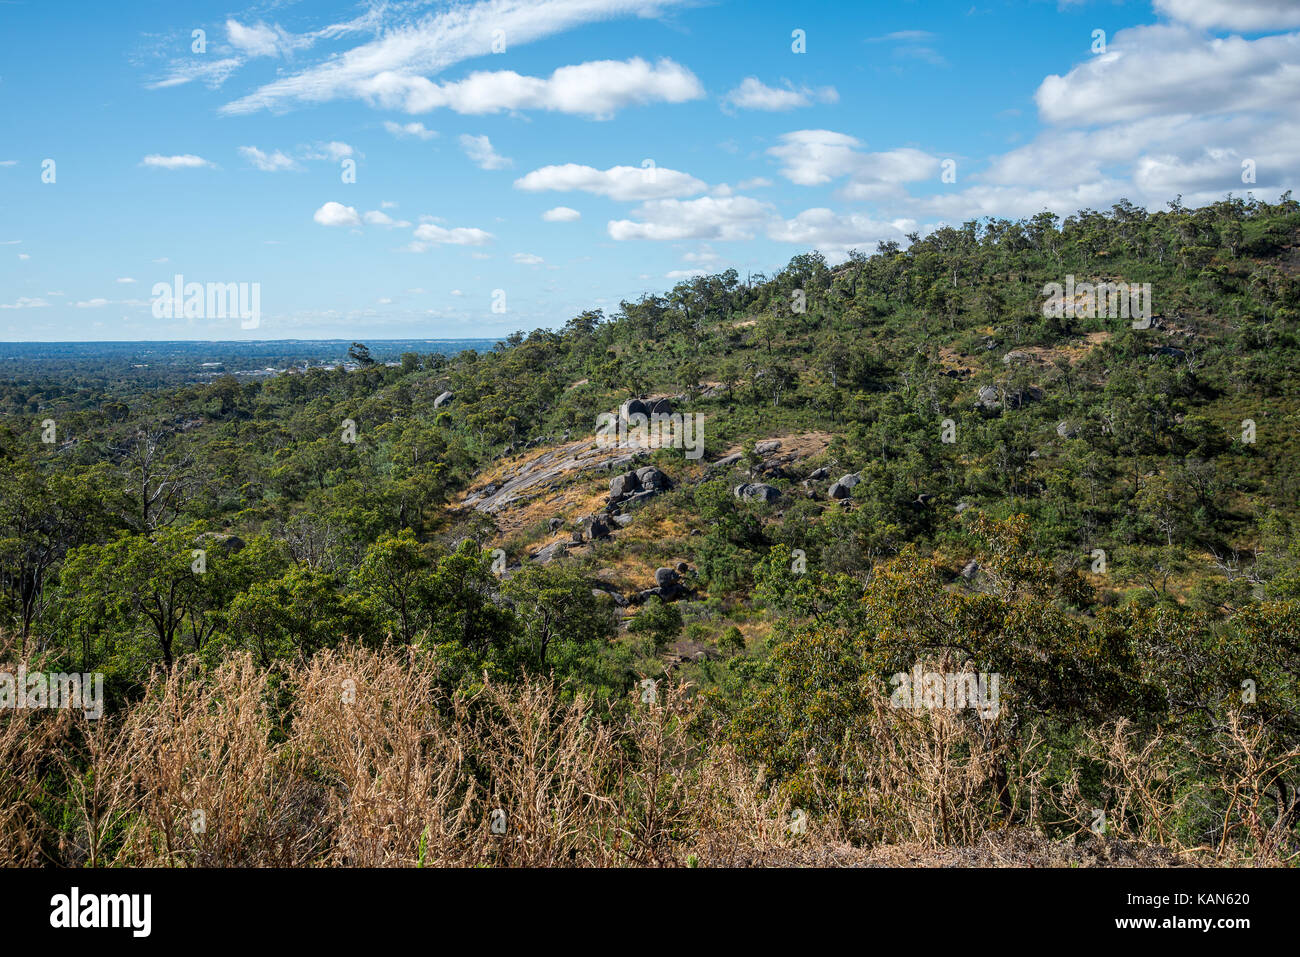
x: 443, y: 399
x: 621, y: 486
x: 555, y: 524
x: 229, y: 544
x: 1067, y: 430
x: 666, y: 576
x: 757, y: 490
x: 971, y: 570
x: 654, y: 478
x: 550, y: 552
x: 989, y: 398
x: 632, y: 407
x: 764, y: 448
x: 818, y: 474
x: 844, y: 487
x: 1015, y: 356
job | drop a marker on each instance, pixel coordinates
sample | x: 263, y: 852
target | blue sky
x: 526, y: 172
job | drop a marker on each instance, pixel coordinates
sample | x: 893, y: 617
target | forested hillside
x: 434, y: 573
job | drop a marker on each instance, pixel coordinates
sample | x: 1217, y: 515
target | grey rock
x: 443, y: 399
x: 620, y: 486
x: 971, y: 570
x: 550, y: 552
x: 757, y: 490
x: 633, y: 407
x: 1067, y: 430
x: 652, y: 477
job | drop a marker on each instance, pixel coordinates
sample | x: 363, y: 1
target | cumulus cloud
x: 336, y: 214
x: 596, y: 90
x: 409, y: 129
x: 834, y: 234
x: 25, y: 302
x: 528, y: 259
x: 426, y: 46
x: 561, y: 214
x: 728, y: 218
x: 184, y: 161
x: 267, y: 162
x: 333, y: 151
x: 753, y: 94
x: 377, y: 218
x: 1164, y: 69
x: 623, y: 183
x: 479, y: 150
x: 1250, y: 16
x: 816, y: 157
x: 432, y: 234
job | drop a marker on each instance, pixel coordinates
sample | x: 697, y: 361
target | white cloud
x: 624, y: 183
x: 479, y: 150
x: 685, y: 273
x: 417, y: 130
x: 185, y: 161
x: 597, y: 90
x: 333, y: 151
x: 92, y: 304
x: 734, y: 217
x: 376, y: 218
x: 126, y: 280
x: 25, y: 302
x: 834, y: 234
x: 336, y: 214
x: 753, y: 94
x: 1251, y: 16
x: 431, y: 234
x: 1160, y: 70
x: 24, y: 256
x: 816, y: 157
x: 269, y: 163
x: 257, y: 40
x: 562, y: 214
x: 249, y: 42
x: 528, y: 259
x: 436, y: 41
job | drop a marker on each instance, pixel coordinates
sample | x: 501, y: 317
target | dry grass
x: 355, y: 758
